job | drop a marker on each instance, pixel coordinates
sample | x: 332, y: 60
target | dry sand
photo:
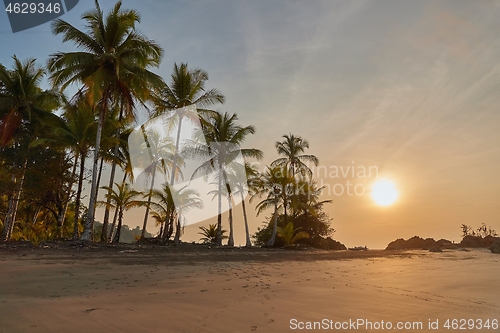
x: 201, y: 290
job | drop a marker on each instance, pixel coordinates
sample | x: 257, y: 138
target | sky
x: 407, y: 87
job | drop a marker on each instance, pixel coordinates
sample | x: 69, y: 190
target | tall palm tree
x: 113, y: 66
x: 275, y: 182
x: 122, y: 199
x: 23, y: 105
x: 172, y: 204
x: 223, y: 140
x: 163, y: 208
x: 187, y: 88
x: 156, y: 154
x: 293, y: 161
x: 291, y: 148
x: 76, y: 131
x: 185, y: 200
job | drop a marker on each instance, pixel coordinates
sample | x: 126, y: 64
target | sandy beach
x: 209, y: 290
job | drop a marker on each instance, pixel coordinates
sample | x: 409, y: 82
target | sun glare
x: 384, y: 193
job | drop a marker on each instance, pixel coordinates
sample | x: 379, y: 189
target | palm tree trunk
x: 113, y: 226
x: 64, y: 211
x: 230, y: 241
x: 177, y: 238
x: 271, y: 241
x: 143, y: 233
x: 104, y: 235
x: 218, y: 237
x: 6, y: 228
x: 9, y: 225
x: 247, y: 232
x: 119, y: 227
x: 89, y: 221
x: 99, y: 180
x: 76, y: 231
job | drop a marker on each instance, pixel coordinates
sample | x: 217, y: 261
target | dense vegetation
x: 47, y: 137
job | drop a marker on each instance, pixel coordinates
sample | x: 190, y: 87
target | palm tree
x: 76, y: 131
x: 23, y: 105
x: 112, y: 66
x: 185, y: 199
x: 187, y: 88
x: 209, y: 234
x: 154, y: 155
x: 122, y: 199
x: 292, y: 148
x: 222, y: 148
x: 275, y: 184
x: 172, y: 203
x: 163, y: 208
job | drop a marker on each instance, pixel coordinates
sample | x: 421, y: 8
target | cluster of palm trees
x: 111, y: 69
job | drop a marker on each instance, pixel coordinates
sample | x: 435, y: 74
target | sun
x: 384, y: 193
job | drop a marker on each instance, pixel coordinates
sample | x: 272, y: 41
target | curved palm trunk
x: 89, y: 221
x: 271, y: 241
x: 144, y: 225
x: 115, y: 217
x: 76, y: 231
x: 11, y: 218
x: 247, y: 232
x: 119, y: 226
x: 113, y: 227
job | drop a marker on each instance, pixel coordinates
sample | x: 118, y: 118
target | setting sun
x: 384, y: 193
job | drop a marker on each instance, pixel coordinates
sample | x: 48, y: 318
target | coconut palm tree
x: 210, y: 233
x: 293, y: 161
x: 185, y: 200
x: 222, y: 148
x: 23, y: 106
x: 172, y: 203
x: 275, y: 184
x: 155, y: 154
x: 76, y: 131
x: 187, y: 88
x: 291, y: 148
x: 122, y: 199
x: 113, y: 66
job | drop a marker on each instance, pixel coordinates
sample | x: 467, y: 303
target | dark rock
x: 327, y: 244
x: 495, y: 248
x: 478, y: 241
x: 435, y: 249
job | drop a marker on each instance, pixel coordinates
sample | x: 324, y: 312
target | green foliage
x: 291, y: 235
x: 210, y: 234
